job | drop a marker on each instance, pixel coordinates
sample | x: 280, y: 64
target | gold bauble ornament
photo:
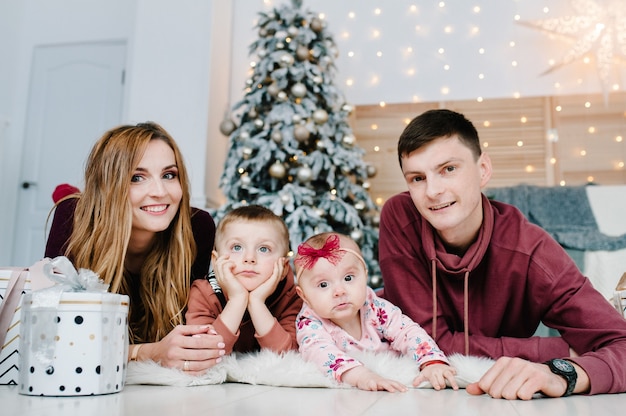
x: 320, y: 116
x: 316, y: 25
x: 302, y: 53
x: 277, y: 170
x: 348, y: 140
x: 301, y: 133
x: 277, y: 136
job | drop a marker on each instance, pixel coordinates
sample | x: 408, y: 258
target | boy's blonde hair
x: 256, y: 213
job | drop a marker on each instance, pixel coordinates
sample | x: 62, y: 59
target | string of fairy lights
x: 408, y: 51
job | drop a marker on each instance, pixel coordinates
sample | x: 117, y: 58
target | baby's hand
x: 364, y: 379
x: 436, y: 375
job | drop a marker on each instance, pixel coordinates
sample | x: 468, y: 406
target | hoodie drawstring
x: 466, y: 311
x: 465, y: 305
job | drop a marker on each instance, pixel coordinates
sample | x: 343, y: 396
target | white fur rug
x: 290, y: 370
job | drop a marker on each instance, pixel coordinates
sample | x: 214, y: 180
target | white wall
x: 513, y: 59
x: 168, y: 72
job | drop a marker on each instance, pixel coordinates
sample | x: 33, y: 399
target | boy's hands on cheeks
x: 436, y: 375
x: 200, y: 345
x: 264, y: 290
x: 226, y: 279
x: 365, y: 379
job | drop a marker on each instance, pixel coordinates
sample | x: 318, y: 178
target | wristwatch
x: 566, y: 370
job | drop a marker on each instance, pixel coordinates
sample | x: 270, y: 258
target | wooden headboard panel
x: 536, y: 140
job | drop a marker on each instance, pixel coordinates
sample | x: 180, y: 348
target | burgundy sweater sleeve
x: 61, y: 228
x: 203, y: 227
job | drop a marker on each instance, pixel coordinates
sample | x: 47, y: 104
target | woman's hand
x: 191, y: 348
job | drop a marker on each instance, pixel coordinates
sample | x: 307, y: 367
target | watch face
x: 563, y: 365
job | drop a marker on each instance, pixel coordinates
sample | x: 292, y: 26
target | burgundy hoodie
x: 490, y: 301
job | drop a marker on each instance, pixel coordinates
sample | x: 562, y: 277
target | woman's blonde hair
x: 102, y: 231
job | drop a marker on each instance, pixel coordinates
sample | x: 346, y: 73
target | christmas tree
x: 291, y: 146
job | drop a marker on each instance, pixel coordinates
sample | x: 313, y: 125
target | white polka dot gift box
x: 73, y: 336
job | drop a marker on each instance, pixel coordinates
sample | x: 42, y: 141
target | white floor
x: 243, y: 399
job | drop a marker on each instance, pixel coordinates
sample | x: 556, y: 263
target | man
x: 480, y: 278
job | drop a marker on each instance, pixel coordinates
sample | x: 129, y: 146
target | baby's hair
x: 256, y: 213
x: 324, y: 245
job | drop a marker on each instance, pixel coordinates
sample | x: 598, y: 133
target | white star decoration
x: 598, y: 28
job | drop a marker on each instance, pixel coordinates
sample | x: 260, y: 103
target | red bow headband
x: 331, y: 251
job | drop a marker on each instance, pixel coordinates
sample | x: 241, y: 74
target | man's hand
x: 515, y: 378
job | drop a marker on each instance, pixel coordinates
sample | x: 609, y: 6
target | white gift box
x: 76, y: 347
x: 9, y: 354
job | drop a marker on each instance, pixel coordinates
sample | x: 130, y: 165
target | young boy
x: 251, y: 302
x: 342, y: 314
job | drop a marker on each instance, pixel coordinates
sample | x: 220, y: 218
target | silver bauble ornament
x: 296, y: 118
x: 280, y: 45
x: 282, y: 96
x: 258, y: 123
x: 305, y: 174
x: 376, y: 220
x: 227, y: 126
x: 366, y: 185
x: 280, y: 34
x: 320, y: 212
x: 356, y: 235
x: 262, y: 53
x: 371, y: 171
x: 298, y: 90
x: 318, y: 79
x: 285, y: 199
x: 320, y: 145
x: 245, y: 180
x: 244, y: 135
x: 286, y: 60
x: 301, y: 133
x: 320, y: 116
x: 348, y: 140
x: 277, y: 170
x: 348, y: 108
x: 360, y: 205
x: 292, y: 31
x: 252, y: 113
x: 277, y: 136
x: 246, y: 152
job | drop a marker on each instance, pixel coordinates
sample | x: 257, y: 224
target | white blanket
x: 290, y: 370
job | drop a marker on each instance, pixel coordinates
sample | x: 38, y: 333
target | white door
x: 75, y: 95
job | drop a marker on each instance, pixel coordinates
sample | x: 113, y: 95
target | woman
x: 133, y: 225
